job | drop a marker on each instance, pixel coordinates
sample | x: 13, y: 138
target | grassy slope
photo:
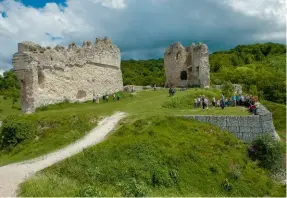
x: 279, y: 117
x: 7, y: 108
x: 57, y: 129
x: 165, y: 156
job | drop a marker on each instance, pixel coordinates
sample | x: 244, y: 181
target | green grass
x: 7, y: 107
x: 279, y: 117
x: 157, y: 156
x: 53, y: 132
x: 140, y: 105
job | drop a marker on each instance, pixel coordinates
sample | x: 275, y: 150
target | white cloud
x: 274, y: 10
x: 1, y: 72
x: 142, y: 29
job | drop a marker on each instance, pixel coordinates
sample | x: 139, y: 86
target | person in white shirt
x: 213, y: 101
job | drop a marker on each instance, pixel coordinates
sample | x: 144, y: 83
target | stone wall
x: 192, y: 60
x: 246, y: 128
x: 139, y: 88
x: 49, y: 75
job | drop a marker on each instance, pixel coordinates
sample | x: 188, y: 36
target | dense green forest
x: 260, y: 68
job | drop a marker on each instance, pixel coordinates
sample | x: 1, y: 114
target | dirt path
x: 14, y: 174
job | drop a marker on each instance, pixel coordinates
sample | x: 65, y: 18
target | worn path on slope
x: 14, y: 174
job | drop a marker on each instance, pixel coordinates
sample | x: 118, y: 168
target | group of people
x: 96, y: 98
x: 200, y: 101
x: 249, y: 101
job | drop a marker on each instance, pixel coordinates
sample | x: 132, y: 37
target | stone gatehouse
x: 187, y: 66
x: 51, y: 75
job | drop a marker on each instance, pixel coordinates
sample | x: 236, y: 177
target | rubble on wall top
x: 28, y: 46
x: 176, y: 46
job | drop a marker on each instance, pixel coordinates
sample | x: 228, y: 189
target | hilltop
x: 249, y: 65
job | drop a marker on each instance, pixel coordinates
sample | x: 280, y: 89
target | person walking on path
x: 114, y: 96
x: 194, y: 103
x: 94, y: 97
x: 203, y: 102
x: 222, y: 102
x: 233, y: 100
x: 97, y: 99
x: 198, y: 101
x: 237, y: 100
x: 213, y: 101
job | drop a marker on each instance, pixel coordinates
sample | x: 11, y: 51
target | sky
x: 142, y: 29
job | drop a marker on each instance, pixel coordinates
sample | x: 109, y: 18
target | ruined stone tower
x: 50, y: 76
x: 187, y: 66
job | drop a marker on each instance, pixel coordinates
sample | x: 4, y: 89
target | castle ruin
x: 187, y: 66
x: 51, y: 75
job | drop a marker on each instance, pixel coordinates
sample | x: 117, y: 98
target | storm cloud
x: 142, y: 29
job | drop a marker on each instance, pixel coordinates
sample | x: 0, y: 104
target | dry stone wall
x: 246, y: 128
x: 50, y: 76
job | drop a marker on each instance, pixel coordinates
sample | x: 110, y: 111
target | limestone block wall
x: 139, y: 88
x: 49, y: 75
x: 246, y: 128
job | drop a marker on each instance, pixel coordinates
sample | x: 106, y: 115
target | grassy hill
x: 152, y: 153
x: 57, y: 125
x: 158, y: 156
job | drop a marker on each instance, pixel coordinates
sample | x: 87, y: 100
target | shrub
x: 163, y: 177
x: 173, y: 103
x: 16, y: 129
x: 226, y: 185
x: 133, y: 188
x: 268, y: 151
x: 90, y: 191
x: 213, y: 170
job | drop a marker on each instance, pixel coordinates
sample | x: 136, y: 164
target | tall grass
x: 157, y: 156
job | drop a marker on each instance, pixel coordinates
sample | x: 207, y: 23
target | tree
x: 228, y: 89
x: 253, y: 90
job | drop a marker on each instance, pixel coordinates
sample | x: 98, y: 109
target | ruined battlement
x: 102, y: 51
x: 50, y: 75
x: 187, y: 66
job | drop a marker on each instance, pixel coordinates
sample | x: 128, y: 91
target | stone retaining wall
x: 246, y: 128
x: 139, y: 88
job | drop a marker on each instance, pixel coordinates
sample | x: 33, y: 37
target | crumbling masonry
x: 50, y: 76
x: 187, y: 66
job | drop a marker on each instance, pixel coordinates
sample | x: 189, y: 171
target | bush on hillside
x: 15, y: 130
x: 133, y: 188
x: 90, y: 191
x: 173, y: 103
x: 268, y: 151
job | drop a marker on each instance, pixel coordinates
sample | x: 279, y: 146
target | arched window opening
x: 183, y: 75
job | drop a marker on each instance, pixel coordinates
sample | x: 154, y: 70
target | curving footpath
x: 14, y: 174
